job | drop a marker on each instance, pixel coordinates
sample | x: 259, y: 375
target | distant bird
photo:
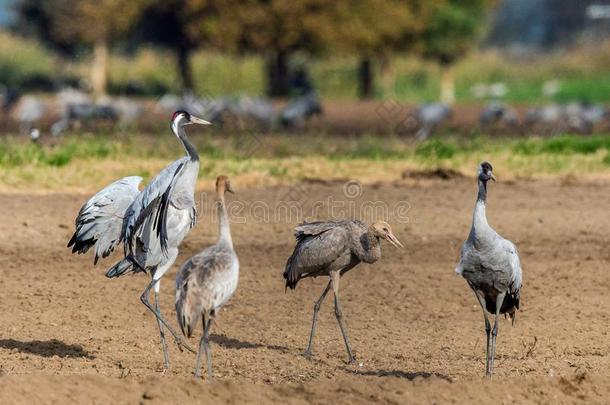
x: 256, y: 109
x: 496, y: 113
x: 34, y: 134
x: 29, y: 111
x: 332, y: 248
x: 490, y: 264
x: 151, y: 224
x: 206, y: 281
x: 430, y: 116
x: 128, y: 111
x: 300, y: 109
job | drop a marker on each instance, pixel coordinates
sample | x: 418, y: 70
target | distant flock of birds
x: 572, y: 117
x: 151, y: 225
x: 75, y: 107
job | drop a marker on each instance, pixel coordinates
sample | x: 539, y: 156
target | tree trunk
x: 365, y: 78
x: 278, y: 82
x: 447, y: 84
x: 184, y: 68
x: 99, y: 67
x: 388, y: 75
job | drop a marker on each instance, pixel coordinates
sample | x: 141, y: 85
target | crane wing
x: 504, y: 261
x: 148, y: 224
x: 302, y: 231
x: 515, y: 266
x: 319, y: 244
x: 100, y: 221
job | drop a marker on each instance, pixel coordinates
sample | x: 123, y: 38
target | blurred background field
x: 305, y: 90
x: 582, y: 74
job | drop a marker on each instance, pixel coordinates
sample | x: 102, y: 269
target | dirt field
x: 69, y: 335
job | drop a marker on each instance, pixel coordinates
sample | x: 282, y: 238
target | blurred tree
x: 276, y: 29
x: 64, y: 24
x: 182, y: 26
x: 373, y: 30
x: 452, y: 29
x: 34, y: 18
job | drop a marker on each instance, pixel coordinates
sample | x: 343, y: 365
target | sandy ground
x: 69, y: 335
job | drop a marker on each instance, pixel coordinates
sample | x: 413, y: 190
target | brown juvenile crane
x: 207, y: 280
x: 332, y: 248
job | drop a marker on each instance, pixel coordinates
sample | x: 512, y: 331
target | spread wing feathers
x: 100, y: 221
x: 140, y: 246
x: 150, y: 210
x: 160, y: 222
x: 318, y: 245
x: 131, y: 263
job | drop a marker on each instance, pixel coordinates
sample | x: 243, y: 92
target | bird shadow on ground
x: 47, y: 348
x: 407, y: 375
x: 232, y: 343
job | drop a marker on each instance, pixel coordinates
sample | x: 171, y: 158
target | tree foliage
x: 88, y: 21
x: 443, y: 30
x: 452, y: 28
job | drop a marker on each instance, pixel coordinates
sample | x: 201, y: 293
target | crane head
x: 223, y: 184
x: 383, y: 230
x: 486, y: 172
x: 182, y: 118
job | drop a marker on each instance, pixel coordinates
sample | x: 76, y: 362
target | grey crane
x: 29, y: 111
x: 207, y: 281
x: 430, y: 116
x: 332, y: 248
x: 151, y: 224
x: 300, y: 109
x: 495, y: 113
x: 490, y: 264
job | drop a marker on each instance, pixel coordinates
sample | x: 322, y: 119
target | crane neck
x: 479, y: 219
x: 224, y: 228
x: 180, y: 132
x: 482, y: 194
x: 369, y: 247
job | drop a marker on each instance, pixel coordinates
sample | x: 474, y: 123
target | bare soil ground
x: 69, y: 335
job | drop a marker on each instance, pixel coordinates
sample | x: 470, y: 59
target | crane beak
x: 393, y: 240
x: 491, y: 176
x: 197, y: 120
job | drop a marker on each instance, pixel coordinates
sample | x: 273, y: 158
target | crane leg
x: 494, y: 331
x: 487, y: 332
x: 208, y: 354
x: 161, y: 331
x: 316, y: 308
x: 334, y: 279
x: 144, y: 298
x: 204, y: 344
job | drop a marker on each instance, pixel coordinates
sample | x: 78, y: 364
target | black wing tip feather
x: 81, y: 246
x: 289, y: 274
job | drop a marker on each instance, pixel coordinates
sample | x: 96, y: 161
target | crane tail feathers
x: 187, y: 311
x: 291, y: 275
